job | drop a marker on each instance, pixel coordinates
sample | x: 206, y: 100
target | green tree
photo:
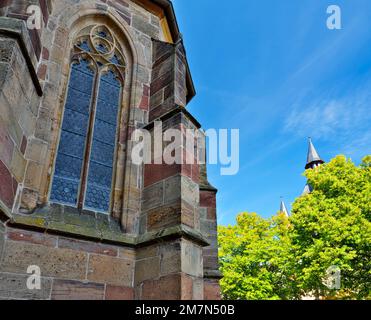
x: 332, y: 227
x: 254, y: 258
x: 281, y: 258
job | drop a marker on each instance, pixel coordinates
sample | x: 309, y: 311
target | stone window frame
x: 76, y: 23
x: 100, y: 63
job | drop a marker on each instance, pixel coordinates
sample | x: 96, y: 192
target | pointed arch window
x: 85, y: 161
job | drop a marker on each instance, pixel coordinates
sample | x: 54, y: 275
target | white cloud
x: 344, y: 118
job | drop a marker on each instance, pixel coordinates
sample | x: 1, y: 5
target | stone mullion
x: 89, y: 139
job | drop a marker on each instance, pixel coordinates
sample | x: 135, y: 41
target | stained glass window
x: 73, y: 137
x: 103, y: 147
x: 84, y: 168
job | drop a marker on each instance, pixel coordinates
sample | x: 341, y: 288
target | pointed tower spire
x: 283, y: 208
x: 307, y: 190
x: 313, y: 158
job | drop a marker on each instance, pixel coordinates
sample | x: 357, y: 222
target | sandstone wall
x: 157, y: 236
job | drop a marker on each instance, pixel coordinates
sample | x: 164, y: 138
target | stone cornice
x: 178, y: 109
x: 48, y: 223
x: 212, y: 274
x: 208, y: 187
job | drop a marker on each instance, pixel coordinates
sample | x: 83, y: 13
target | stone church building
x: 74, y: 208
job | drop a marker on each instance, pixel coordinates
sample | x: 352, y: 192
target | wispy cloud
x: 360, y: 146
x: 346, y: 120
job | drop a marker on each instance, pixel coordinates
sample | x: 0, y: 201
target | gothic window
x: 84, y: 168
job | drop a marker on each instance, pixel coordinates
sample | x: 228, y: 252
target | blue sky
x: 273, y: 70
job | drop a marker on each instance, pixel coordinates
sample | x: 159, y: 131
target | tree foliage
x: 253, y: 257
x: 281, y: 258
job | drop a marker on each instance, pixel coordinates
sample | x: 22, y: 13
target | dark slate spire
x: 307, y: 190
x: 284, y: 209
x: 313, y: 158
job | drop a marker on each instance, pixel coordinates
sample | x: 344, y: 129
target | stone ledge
x: 170, y: 114
x: 170, y: 233
x: 76, y: 225
x: 208, y: 187
x: 212, y: 274
x: 82, y: 228
x: 16, y: 29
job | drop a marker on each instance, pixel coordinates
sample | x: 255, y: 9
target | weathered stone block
x: 104, y: 269
x: 162, y: 82
x: 165, y: 288
x: 127, y: 253
x: 207, y: 199
x: 74, y: 290
x: 187, y: 287
x: 163, y: 217
x: 7, y: 47
x: 31, y: 237
x: 176, y: 286
x: 198, y: 289
x: 144, y: 26
x: 170, y: 258
x: 152, y: 196
x: 156, y: 99
x: 173, y: 189
x: 154, y: 173
x: 41, y: 72
x: 209, y: 227
x: 43, y: 125
x: 36, y: 150
x: 29, y: 200
x: 211, y: 214
x: 61, y: 37
x: 188, y: 215
x: 14, y: 286
x: 190, y: 191
x: 18, y: 165
x: 8, y: 186
x: 6, y: 144
x: 33, y: 175
x: 147, y: 269
x: 60, y: 263
x: 147, y: 252
x: 119, y: 293
x: 2, y: 242
x: 87, y: 246
x: 163, y: 68
x: 192, y: 261
x: 211, y: 262
x: 211, y: 290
